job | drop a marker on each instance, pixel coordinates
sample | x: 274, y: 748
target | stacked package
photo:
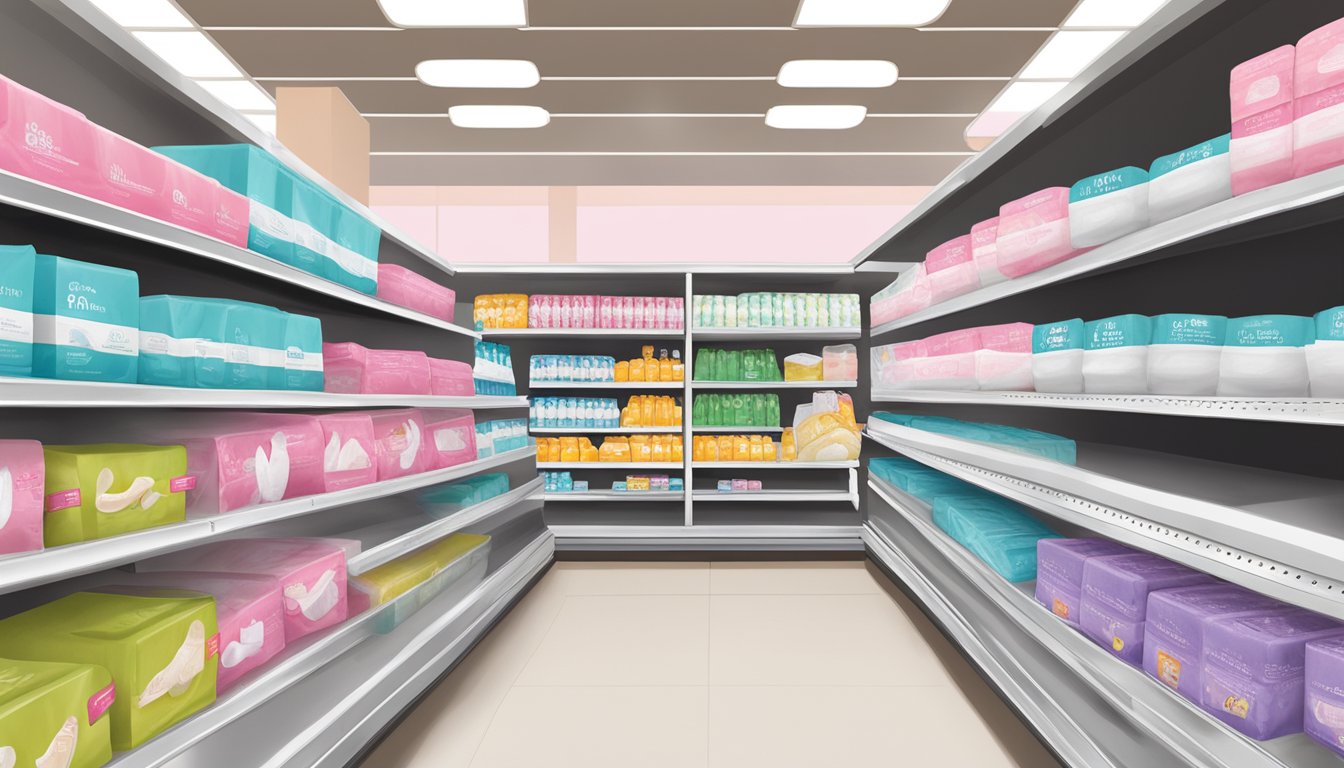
x: 711, y: 448
x: 777, y: 310
x: 1000, y: 533
x: 444, y: 500
x: 571, y: 368
x: 500, y: 436
x: 458, y: 561
x: 587, y: 311
x: 825, y: 429
x: 574, y: 412
x: 493, y: 372
x: 1020, y: 439
x: 651, y: 411
x: 412, y: 290
x: 737, y: 410
x: 499, y: 310
x: 736, y: 365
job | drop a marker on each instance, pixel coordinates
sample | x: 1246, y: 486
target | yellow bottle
x: 790, y: 446
x: 768, y: 450
x: 646, y: 351
x: 622, y: 370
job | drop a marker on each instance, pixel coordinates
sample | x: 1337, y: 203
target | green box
x: 78, y: 475
x: 47, y: 708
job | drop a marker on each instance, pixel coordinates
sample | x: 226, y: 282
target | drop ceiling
x: 635, y: 105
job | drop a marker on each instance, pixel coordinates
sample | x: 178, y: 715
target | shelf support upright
x: 687, y: 417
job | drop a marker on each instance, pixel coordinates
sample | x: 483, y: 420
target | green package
x: 162, y: 651
x: 95, y: 491
x: 52, y: 713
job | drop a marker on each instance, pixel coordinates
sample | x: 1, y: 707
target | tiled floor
x: 723, y: 665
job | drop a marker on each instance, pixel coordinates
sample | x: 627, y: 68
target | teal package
x: 1200, y: 330
x: 258, y: 176
x: 182, y: 342
x: 17, y: 263
x: 1270, y: 331
x: 86, y: 321
x: 1118, y: 331
x: 303, y: 354
x: 1053, y: 337
x: 353, y: 252
x: 254, y: 337
x: 312, y: 212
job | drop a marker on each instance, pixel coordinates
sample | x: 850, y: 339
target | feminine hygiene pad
x: 1264, y: 356
x: 1189, y: 180
x: 985, y: 251
x: 1325, y: 356
x: 412, y: 290
x: 1059, y: 572
x: 949, y: 361
x: 1057, y: 356
x: 1262, y: 120
x: 1108, y: 206
x: 450, y: 378
x: 951, y: 269
x: 428, y: 571
x: 95, y: 491
x: 1115, y: 355
x: 22, y: 493
x: 451, y: 433
x: 347, y: 460
x: 1324, y: 716
x: 1254, y: 670
x: 997, y: 531
x: 1115, y: 598
x: 1034, y: 232
x: 1318, y: 107
x: 1003, y: 362
x: 131, y: 176
x: 303, y: 354
x: 54, y: 714
x: 352, y: 369
x: 17, y: 263
x: 162, y: 651
x: 311, y: 573
x: 86, y: 321
x: 402, y: 445
x: 1185, y: 354
x: 46, y: 141
x: 1173, y: 640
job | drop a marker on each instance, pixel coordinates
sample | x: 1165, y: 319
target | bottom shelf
x: 707, y: 538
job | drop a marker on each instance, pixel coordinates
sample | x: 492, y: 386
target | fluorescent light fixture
x: 191, y: 53
x: 832, y: 73
x: 497, y: 116
x: 1066, y: 54
x: 264, y: 120
x: 815, y: 116
x: 478, y: 73
x: 1025, y: 97
x: 869, y: 13
x: 988, y: 127
x: 144, y: 14
x: 1112, y: 13
x: 455, y: 13
x: 239, y: 94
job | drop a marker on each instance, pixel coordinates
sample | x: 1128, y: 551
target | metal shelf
x: 42, y: 198
x: 610, y: 465
x: 707, y: 538
x: 1275, y: 533
x: 736, y: 430
x: 1167, y: 717
x: 771, y: 332
x: 1300, y: 410
x: 775, y: 464
x: 604, y: 496
x: 676, y: 430
x: 677, y: 385
x: 774, y: 385
x: 568, y: 333
x: 27, y: 569
x: 761, y: 496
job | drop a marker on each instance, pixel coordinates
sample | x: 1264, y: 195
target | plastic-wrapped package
x: 1261, y: 90
x: 951, y: 270
x: 893, y: 365
x: 1325, y: 355
x: 17, y: 266
x: 948, y: 361
x: 1324, y: 706
x: 825, y: 430
x: 997, y: 531
x: 86, y: 321
x: 1115, y: 598
x: 131, y: 176
x: 840, y: 363
x: 352, y: 369
x: 402, y: 445
x: 96, y: 491
x: 1108, y: 206
x: 1185, y: 354
x: 1189, y: 180
x: 1265, y: 356
x: 1003, y: 362
x: 1034, y: 232
x: 803, y: 367
x: 461, y: 557
x: 412, y: 290
x: 452, y: 435
x: 1115, y: 355
x: 22, y: 496
x: 452, y: 378
x: 985, y: 251
x: 1057, y: 356
x: 348, y: 458
x: 1059, y: 572
x: 51, y: 709
x: 47, y: 141
x: 1318, y: 90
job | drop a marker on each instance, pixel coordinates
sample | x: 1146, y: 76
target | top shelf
x: 776, y: 333
x: 564, y: 333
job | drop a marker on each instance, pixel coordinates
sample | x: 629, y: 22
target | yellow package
x: 646, y: 411
x: 726, y: 448
x: 665, y: 367
x: 789, y: 446
x: 640, y: 449
x: 768, y: 450
x: 651, y: 370
x: 622, y: 370
x: 711, y: 449
x: 678, y: 368
x: 678, y: 453
x: 802, y: 367
x: 756, y: 448
x: 569, y: 449
x: 636, y: 483
x: 543, y: 451
x: 658, y: 450
x: 587, y: 451
x: 662, y: 415
x: 614, y: 449
x: 629, y: 416
x: 646, y: 351
x: 637, y: 369
x: 676, y: 415
x: 397, y: 577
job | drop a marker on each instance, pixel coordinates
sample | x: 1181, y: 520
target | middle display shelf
x: 669, y: 430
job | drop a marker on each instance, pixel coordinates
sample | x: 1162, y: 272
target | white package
x: 1265, y: 356
x: 1186, y: 354
x: 1115, y: 355
x: 1325, y: 356
x: 1189, y: 180
x: 1108, y: 206
x: 1057, y: 357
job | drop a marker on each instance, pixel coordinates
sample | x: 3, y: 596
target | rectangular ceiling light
x: 144, y: 14
x: 1066, y: 54
x: 191, y: 53
x: 455, y: 13
x: 498, y: 116
x: 239, y: 94
x: 478, y: 73
x: 1022, y: 98
x: 1112, y: 13
x: 264, y: 120
x: 833, y: 73
x: 869, y: 13
x: 815, y: 116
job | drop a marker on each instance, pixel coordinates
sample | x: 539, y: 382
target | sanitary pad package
x: 303, y: 368
x: 458, y: 561
x: 46, y: 141
x: 893, y: 365
x: 451, y: 433
x: 22, y: 493
x: 1325, y: 356
x: 131, y: 176
x: 1057, y: 356
x: 1003, y: 362
x: 492, y: 373
x: 86, y: 321
x: 1254, y: 670
x: 17, y: 263
x: 95, y: 491
x: 1265, y: 356
x: 162, y: 651
x: 1186, y: 181
x: 312, y: 218
x: 949, y: 361
x: 1034, y: 232
x: 348, y: 459
x: 908, y: 293
x: 951, y: 269
x: 1324, y: 706
x: 402, y: 445
x: 54, y: 715
x: 352, y: 369
x: 1318, y: 108
x: 997, y: 531
x: 924, y: 483
x: 985, y: 251
x: 1107, y: 206
x: 452, y: 378
x: 1185, y: 354
x: 1262, y: 120
x: 1115, y: 598
x: 412, y: 290
x: 1059, y: 572
x: 1115, y: 355
x: 181, y: 342
x: 352, y: 251
x: 450, y: 498
x: 188, y: 198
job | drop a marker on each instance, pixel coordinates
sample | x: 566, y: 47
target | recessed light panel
x: 833, y: 73
x: 191, y: 53
x: 455, y: 13
x: 1066, y: 54
x: 815, y: 116
x: 1112, y: 13
x: 264, y: 120
x: 144, y: 14
x: 869, y: 13
x: 239, y: 94
x: 1022, y: 98
x: 478, y: 73
x: 498, y: 116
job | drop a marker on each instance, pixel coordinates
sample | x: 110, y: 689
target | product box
x: 412, y: 290
x: 1057, y: 356
x: 1262, y: 120
x: 130, y: 176
x: 949, y: 361
x: 349, y: 368
x: 461, y: 557
x: 17, y: 265
x: 1265, y: 356
x: 86, y: 321
x: 348, y: 459
x: 951, y: 269
x: 303, y: 368
x: 1186, y: 181
x: 997, y: 531
x: 1325, y: 356
x: 1324, y: 706
x: 1059, y: 572
x: 352, y: 250
x: 1115, y: 598
x: 1003, y: 362
x: 1034, y: 232
x: 96, y: 491
x: 188, y: 198
x: 450, y: 378
x: 1108, y: 206
x: 182, y: 342
x: 451, y: 433
x: 1185, y: 354
x: 401, y: 444
x: 22, y: 496
x: 1318, y: 89
x: 47, y: 141
x: 53, y: 711
x: 1115, y: 355
x: 985, y: 251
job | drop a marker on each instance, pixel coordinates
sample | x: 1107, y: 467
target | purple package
x: 1059, y: 572
x: 1324, y: 717
x: 1254, y: 670
x: 1173, y: 636
x: 1115, y: 598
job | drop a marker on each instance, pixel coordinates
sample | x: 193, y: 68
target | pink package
x: 1318, y: 90
x: 676, y: 310
x: 949, y: 362
x: 401, y: 445
x: 22, y: 485
x: 46, y: 141
x: 1003, y: 363
x: 231, y: 212
x: 131, y: 176
x: 450, y: 378
x: 311, y: 573
x: 347, y: 459
x: 894, y: 364
x: 951, y: 269
x: 451, y: 433
x: 1262, y: 120
x: 188, y: 198
x: 1034, y: 233
x: 251, y: 612
x: 351, y: 369
x: 985, y: 251
x: 412, y: 290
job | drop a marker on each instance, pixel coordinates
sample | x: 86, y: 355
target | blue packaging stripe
x: 1052, y: 337
x: 1270, y: 331
x: 1118, y: 331
x: 1106, y: 183
x: 1202, y: 330
x: 1211, y: 148
x: 1330, y: 324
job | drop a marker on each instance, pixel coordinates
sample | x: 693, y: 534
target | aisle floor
x: 730, y: 665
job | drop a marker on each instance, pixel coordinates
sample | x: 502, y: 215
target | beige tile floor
x: 712, y: 665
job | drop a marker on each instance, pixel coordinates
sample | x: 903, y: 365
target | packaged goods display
x: 429, y: 570
x: 736, y: 410
x: 615, y: 448
x: 710, y: 448
x: 574, y: 412
x: 825, y: 429
x: 736, y: 365
x: 493, y: 371
x: 776, y: 310
x: 623, y: 312
x: 96, y: 491
x: 738, y: 485
x: 500, y: 436
x: 446, y: 499
x: 504, y: 310
x: 412, y: 290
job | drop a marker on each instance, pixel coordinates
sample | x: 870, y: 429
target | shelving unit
x: 609, y: 465
x: 622, y: 385
x: 775, y: 464
x: 744, y: 333
x: 566, y: 333
x: 622, y: 496
x: 736, y: 430
x: 605, y: 430
x: 772, y: 385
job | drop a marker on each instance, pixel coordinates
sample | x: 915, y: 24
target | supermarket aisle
x: 729, y: 665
